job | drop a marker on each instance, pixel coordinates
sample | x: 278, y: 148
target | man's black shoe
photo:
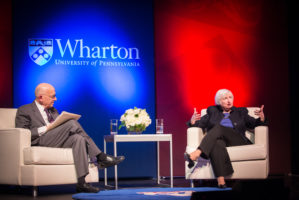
x: 110, y: 161
x: 85, y: 187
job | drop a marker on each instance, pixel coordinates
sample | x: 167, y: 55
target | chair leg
x: 34, y: 191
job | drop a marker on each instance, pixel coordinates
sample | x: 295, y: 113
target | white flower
x: 135, y: 119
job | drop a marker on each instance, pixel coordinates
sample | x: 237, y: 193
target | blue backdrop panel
x: 98, y: 54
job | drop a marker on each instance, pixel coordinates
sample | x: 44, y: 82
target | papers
x: 63, y: 117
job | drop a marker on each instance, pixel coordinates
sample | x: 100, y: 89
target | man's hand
x: 260, y: 113
x: 48, y: 126
x: 195, y: 117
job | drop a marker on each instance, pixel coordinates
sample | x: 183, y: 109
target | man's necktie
x: 50, y: 117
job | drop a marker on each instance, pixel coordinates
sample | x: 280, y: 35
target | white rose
x: 136, y: 111
x: 129, y: 111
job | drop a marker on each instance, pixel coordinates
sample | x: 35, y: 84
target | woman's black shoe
x: 222, y: 186
x: 188, y: 159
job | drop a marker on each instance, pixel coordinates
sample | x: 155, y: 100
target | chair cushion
x: 37, y: 155
x: 247, y: 152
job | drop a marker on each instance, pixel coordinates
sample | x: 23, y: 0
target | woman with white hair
x: 226, y: 126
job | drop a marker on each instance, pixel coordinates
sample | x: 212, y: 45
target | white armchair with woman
x: 226, y: 126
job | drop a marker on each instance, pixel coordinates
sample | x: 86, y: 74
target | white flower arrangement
x: 135, y: 120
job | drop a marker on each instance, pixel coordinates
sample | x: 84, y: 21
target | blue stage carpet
x: 146, y: 193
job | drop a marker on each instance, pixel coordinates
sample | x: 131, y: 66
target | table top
x: 138, y: 138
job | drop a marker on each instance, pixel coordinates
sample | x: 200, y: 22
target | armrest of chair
x: 12, y: 143
x: 262, y: 138
x: 194, y: 137
x: 261, y: 135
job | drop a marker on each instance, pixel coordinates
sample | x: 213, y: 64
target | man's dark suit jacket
x: 239, y: 116
x: 29, y: 117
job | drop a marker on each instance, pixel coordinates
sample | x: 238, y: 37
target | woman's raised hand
x: 195, y: 117
x: 260, y: 113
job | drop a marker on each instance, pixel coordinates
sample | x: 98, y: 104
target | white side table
x: 140, y: 138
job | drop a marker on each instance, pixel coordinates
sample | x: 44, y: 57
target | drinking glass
x: 159, y: 126
x: 113, y: 126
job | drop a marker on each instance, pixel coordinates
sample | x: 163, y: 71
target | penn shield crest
x: 40, y: 50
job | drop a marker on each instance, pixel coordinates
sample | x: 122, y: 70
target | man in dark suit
x: 37, y: 116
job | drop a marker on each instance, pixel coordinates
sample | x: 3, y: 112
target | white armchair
x: 249, y: 161
x: 23, y: 164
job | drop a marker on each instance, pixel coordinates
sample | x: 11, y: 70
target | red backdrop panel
x: 203, y: 46
x: 5, y: 54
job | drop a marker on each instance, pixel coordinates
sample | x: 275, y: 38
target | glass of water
x: 113, y: 126
x: 159, y: 126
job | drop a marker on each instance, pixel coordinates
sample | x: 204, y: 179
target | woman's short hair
x: 220, y: 93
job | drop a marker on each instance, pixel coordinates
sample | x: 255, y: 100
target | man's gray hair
x: 220, y: 93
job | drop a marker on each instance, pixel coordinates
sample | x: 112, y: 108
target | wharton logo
x: 76, y: 52
x: 77, y: 49
x: 40, y: 50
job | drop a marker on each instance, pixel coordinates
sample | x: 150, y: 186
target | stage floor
x: 285, y: 186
